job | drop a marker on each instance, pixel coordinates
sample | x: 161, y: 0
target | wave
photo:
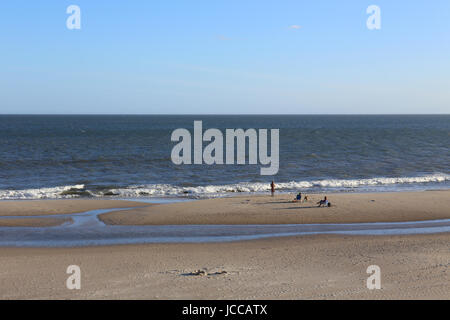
x: 62, y: 192
x: 168, y: 190
x: 219, y: 190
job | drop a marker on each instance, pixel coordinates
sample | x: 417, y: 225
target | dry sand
x: 346, y: 208
x: 50, y: 207
x: 310, y: 267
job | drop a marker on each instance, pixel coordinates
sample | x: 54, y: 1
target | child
x: 298, y: 198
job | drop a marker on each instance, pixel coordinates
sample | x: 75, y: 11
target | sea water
x: 129, y: 156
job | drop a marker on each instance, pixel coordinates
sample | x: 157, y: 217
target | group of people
x: 298, y: 198
x: 324, y: 202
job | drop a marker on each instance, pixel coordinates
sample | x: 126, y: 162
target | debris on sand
x: 205, y: 273
x: 198, y: 273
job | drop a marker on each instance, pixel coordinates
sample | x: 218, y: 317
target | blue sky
x: 223, y: 57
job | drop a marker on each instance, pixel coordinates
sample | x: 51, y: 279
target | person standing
x: 272, y: 188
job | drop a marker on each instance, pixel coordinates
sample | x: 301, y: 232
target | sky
x: 224, y: 57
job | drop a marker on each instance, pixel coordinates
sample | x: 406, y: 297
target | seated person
x: 323, y: 202
x: 298, y: 197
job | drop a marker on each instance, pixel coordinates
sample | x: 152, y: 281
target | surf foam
x: 168, y: 190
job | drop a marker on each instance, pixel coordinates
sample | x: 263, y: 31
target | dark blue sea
x: 129, y: 156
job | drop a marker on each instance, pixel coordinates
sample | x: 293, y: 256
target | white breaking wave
x: 42, y: 193
x: 167, y: 190
x: 218, y: 190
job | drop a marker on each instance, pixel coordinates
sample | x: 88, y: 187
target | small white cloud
x: 223, y: 38
x: 295, y: 26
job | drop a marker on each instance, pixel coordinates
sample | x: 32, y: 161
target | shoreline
x: 232, y: 194
x: 436, y: 180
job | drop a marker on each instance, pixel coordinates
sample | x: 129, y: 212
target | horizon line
x: 224, y: 114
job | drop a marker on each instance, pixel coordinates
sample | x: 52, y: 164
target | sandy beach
x: 319, y: 267
x: 305, y: 267
x: 53, y: 207
x: 346, y: 208
x: 33, y: 222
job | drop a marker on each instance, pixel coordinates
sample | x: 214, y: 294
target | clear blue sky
x: 224, y: 56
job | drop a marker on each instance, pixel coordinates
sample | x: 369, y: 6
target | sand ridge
x: 33, y: 222
x: 346, y: 208
x: 62, y: 206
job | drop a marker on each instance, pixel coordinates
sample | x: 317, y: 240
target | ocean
x: 129, y: 156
